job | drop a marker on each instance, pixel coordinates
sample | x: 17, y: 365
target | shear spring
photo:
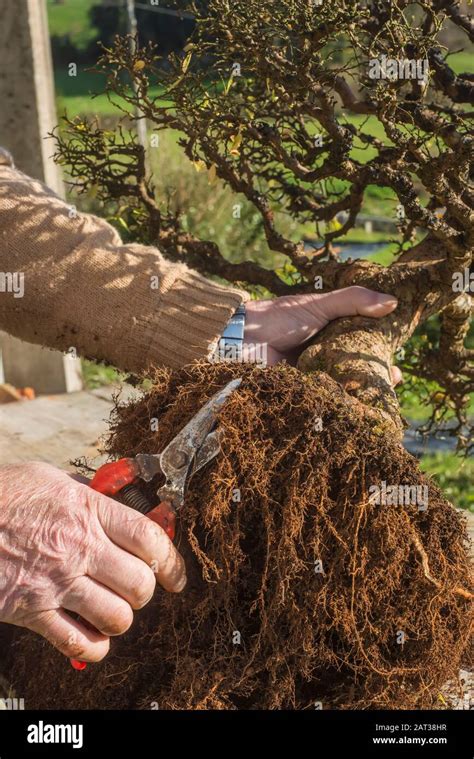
x: 131, y: 496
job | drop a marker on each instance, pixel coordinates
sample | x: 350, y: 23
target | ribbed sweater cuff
x: 191, y: 317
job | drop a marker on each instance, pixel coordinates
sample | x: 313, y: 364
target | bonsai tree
x: 306, y: 584
x: 303, y: 107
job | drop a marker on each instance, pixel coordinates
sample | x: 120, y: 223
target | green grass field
x: 72, y: 18
x: 84, y: 94
x: 454, y: 476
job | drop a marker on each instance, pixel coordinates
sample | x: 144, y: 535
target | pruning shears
x: 192, y: 448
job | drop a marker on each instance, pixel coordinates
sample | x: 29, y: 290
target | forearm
x: 124, y: 304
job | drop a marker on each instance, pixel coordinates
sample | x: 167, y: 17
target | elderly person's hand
x: 285, y: 324
x: 66, y: 548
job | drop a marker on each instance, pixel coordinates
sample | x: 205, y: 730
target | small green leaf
x: 186, y: 62
x: 212, y: 173
x: 229, y: 84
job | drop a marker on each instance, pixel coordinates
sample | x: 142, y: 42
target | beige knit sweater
x: 83, y: 288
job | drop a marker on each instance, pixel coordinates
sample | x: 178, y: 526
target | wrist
x: 230, y: 346
x: 256, y: 321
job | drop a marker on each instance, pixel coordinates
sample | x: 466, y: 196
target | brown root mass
x: 257, y: 626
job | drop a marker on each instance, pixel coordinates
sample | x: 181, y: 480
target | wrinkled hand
x: 65, y: 548
x: 285, y: 324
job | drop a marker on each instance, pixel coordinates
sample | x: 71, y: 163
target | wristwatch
x: 232, y: 340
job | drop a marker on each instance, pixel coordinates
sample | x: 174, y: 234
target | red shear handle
x: 165, y: 516
x: 111, y: 478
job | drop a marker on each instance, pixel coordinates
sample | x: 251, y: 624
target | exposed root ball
x: 301, y: 590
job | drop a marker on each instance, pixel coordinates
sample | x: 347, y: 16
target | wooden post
x: 27, y: 115
x: 132, y: 28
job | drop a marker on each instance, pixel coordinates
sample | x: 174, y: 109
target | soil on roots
x: 300, y: 588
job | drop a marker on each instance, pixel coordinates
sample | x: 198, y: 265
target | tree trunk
x: 358, y: 351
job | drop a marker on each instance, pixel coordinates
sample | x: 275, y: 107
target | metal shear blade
x: 193, y: 447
